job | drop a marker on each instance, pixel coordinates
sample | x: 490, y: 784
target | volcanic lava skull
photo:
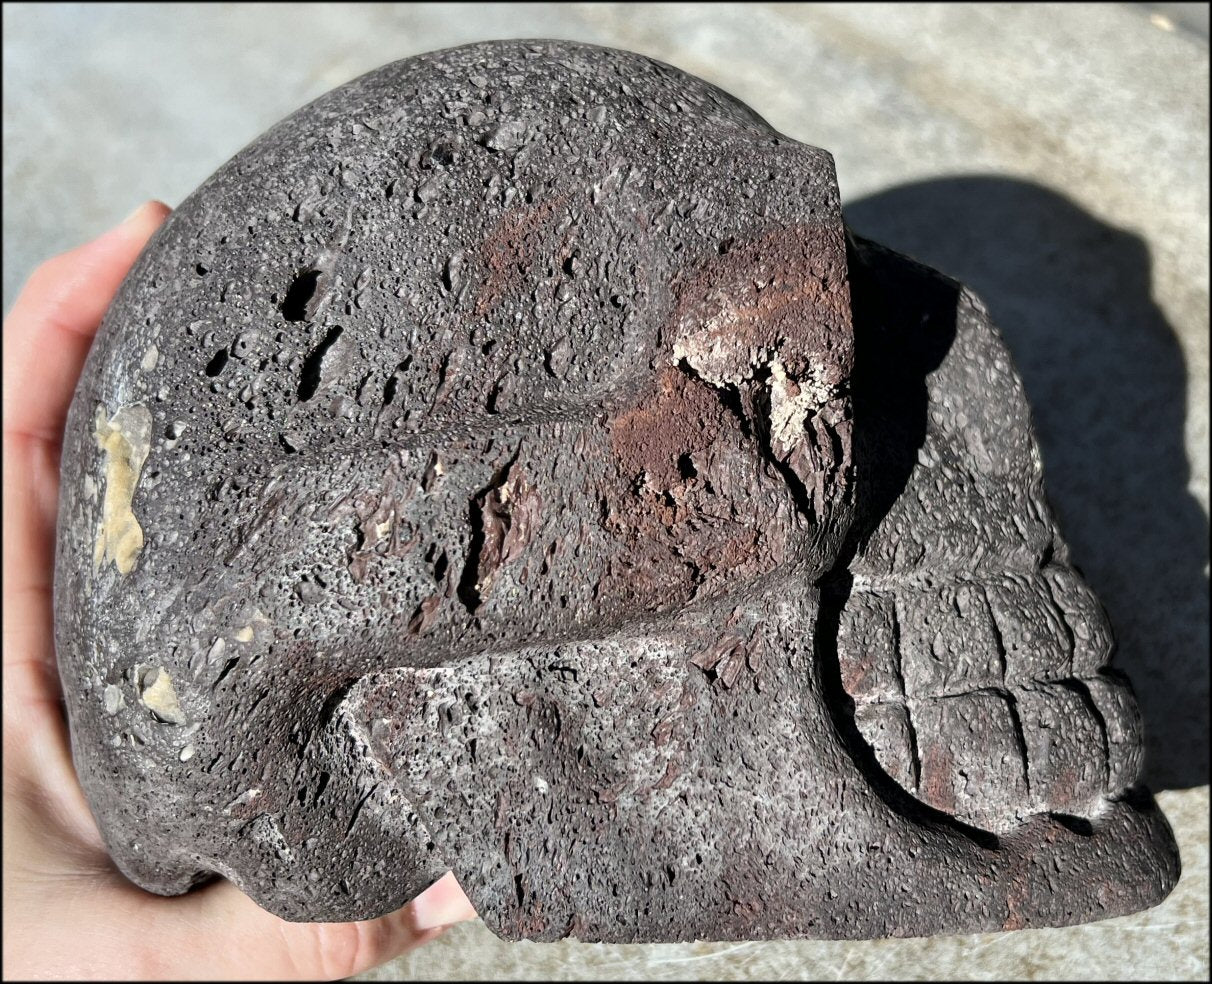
x: 470, y: 475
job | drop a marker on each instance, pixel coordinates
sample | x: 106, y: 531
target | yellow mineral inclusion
x: 160, y: 697
x: 126, y: 439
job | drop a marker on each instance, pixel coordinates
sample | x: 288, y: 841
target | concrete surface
x: 1055, y: 157
x: 1191, y: 17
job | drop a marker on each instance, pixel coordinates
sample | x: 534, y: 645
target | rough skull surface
x: 510, y: 463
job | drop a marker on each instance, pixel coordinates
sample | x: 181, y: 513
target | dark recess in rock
x: 549, y: 488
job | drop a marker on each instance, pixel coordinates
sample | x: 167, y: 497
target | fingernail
x: 144, y: 212
x: 442, y: 904
x: 139, y: 210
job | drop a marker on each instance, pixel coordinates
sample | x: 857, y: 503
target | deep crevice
x: 227, y: 668
x: 1078, y: 825
x: 217, y: 363
x: 303, y: 297
x: 733, y: 401
x: 309, y: 378
x: 468, y: 591
x: 392, y: 385
x: 1016, y: 722
x: 899, y: 669
x: 332, y: 702
x: 904, y: 324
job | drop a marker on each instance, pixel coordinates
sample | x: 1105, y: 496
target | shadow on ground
x: 1107, y: 385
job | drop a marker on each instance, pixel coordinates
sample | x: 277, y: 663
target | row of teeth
x: 988, y: 700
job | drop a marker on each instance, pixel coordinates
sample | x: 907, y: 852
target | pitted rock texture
x: 509, y: 463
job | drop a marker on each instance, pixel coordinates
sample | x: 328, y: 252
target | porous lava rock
x: 510, y: 463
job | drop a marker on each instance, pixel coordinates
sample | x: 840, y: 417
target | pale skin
x: 68, y: 912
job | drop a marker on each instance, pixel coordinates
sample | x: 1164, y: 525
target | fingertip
x: 76, y: 286
x: 288, y: 950
x: 144, y: 220
x: 440, y: 905
x: 140, y: 209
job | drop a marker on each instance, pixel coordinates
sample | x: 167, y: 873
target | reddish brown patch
x: 510, y: 512
x: 611, y: 793
x: 502, y: 812
x: 714, y: 654
x: 685, y: 416
x: 854, y: 670
x: 671, y: 772
x: 684, y: 511
x: 937, y: 787
x: 1066, y: 790
x: 739, y: 549
x: 725, y: 658
x: 1016, y: 898
x: 246, y: 807
x: 510, y: 249
x: 379, y: 518
x: 682, y: 507
x: 785, y: 291
x: 425, y: 614
x: 664, y: 729
x: 689, y: 697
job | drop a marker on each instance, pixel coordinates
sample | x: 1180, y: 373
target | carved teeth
x: 981, y: 779
x: 890, y: 735
x: 1112, y: 695
x: 1013, y: 665
x: 1091, y: 640
x: 1065, y: 749
x: 1034, y: 636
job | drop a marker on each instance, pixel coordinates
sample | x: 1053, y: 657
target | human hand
x: 68, y: 912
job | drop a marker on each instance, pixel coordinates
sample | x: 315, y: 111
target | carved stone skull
x: 509, y: 463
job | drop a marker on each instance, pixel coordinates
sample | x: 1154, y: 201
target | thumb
x: 261, y: 946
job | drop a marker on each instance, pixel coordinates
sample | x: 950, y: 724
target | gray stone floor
x: 1055, y: 157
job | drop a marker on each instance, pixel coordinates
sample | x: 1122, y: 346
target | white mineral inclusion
x: 126, y: 439
x: 792, y: 402
x: 114, y: 701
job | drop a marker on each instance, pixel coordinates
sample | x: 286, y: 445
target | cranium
x: 509, y: 463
